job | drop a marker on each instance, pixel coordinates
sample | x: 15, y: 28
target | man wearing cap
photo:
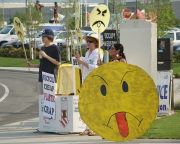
x: 89, y: 63
x: 50, y: 58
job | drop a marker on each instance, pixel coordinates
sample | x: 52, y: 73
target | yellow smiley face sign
x: 78, y: 36
x: 77, y: 14
x: 19, y: 29
x: 118, y: 101
x: 99, y: 18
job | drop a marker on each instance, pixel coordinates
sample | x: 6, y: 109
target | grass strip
x: 167, y: 127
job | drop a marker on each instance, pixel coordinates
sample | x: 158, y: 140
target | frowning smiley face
x: 118, y: 101
x: 99, y: 18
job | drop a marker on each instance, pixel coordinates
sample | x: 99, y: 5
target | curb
x: 35, y: 72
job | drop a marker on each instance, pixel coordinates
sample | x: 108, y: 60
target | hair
x: 50, y: 37
x: 120, y: 47
x: 55, y: 3
x: 37, y: 1
x: 95, y: 41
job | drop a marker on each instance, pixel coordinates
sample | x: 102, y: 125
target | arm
x: 123, y: 60
x: 43, y: 54
x: 32, y: 65
x: 80, y: 61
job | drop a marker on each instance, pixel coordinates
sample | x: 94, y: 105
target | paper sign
x: 19, y: 29
x: 49, y: 95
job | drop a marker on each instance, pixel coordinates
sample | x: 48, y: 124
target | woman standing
x: 89, y: 63
x: 116, y: 52
x: 55, y: 12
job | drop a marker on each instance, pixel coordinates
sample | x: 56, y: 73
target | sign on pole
x: 127, y: 13
x: 49, y: 95
x: 109, y: 37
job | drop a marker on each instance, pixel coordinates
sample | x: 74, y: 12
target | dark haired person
x: 38, y: 7
x: 55, y: 12
x: 50, y: 61
x: 116, y: 52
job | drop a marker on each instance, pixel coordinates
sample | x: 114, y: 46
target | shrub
x: 177, y: 106
x: 176, y: 57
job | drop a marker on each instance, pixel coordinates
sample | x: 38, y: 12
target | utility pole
x: 106, y: 53
x: 3, y: 13
x: 81, y: 12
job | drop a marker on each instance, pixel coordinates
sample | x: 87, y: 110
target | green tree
x: 161, y: 13
x: 116, y: 8
x: 68, y: 9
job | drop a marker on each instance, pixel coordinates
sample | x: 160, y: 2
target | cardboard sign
x: 19, y: 29
x: 77, y: 15
x: 77, y: 76
x: 99, y: 18
x: 163, y: 86
x: 49, y: 95
x: 109, y: 37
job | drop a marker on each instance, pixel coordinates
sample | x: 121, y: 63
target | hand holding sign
x: 20, y: 33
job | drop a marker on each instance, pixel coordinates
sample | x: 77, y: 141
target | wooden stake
x: 99, y: 35
x: 25, y: 55
x: 71, y: 48
x: 80, y: 51
x: 24, y: 51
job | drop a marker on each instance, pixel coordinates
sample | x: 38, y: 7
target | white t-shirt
x: 92, y: 61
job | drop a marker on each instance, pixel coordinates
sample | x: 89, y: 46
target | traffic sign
x: 126, y: 13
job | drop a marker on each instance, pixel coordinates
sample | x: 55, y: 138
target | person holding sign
x: 50, y: 61
x: 89, y: 63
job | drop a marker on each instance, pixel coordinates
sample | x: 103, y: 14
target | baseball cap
x: 47, y: 32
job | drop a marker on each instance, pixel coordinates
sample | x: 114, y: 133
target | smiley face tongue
x: 122, y: 124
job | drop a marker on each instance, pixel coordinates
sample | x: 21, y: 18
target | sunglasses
x: 112, y: 48
x: 90, y: 41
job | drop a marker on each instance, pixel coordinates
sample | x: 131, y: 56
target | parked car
x: 175, y: 35
x: 62, y: 43
x: 16, y: 44
x: 8, y: 34
x: 176, y: 49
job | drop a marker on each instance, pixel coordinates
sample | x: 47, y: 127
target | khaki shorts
x: 40, y: 88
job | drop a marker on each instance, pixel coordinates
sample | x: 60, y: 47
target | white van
x: 8, y: 34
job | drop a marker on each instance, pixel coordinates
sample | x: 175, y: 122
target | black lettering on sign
x: 48, y: 110
x: 75, y: 62
x: 18, y: 24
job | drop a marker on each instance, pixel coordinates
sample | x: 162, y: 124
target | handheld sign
x: 20, y: 33
x: 99, y: 20
x: 79, y: 39
x: 19, y: 29
x: 77, y: 15
x: 72, y: 44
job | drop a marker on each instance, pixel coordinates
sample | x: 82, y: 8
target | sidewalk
x: 24, y: 132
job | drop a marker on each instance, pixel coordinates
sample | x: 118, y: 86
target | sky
x: 49, y: 1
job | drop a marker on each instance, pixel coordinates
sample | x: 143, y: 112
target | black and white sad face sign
x: 99, y: 18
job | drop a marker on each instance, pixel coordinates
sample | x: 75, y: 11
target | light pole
x: 3, y: 12
x: 106, y: 53
x: 81, y: 13
x: 86, y: 10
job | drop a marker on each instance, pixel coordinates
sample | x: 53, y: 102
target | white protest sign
x: 49, y: 95
x: 163, y: 87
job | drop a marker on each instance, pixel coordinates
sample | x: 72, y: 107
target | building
x: 10, y: 7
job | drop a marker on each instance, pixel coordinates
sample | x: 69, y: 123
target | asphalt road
x: 18, y: 96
